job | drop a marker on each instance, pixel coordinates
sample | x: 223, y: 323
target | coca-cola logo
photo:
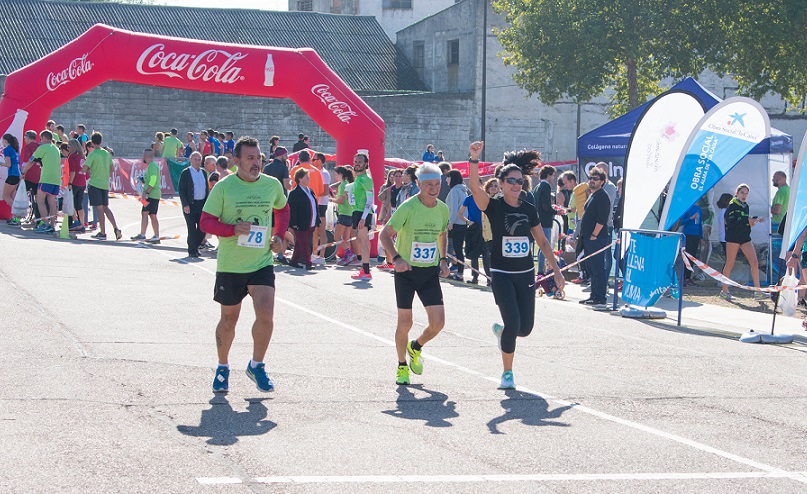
x: 210, y: 65
x: 77, y: 68
x: 342, y: 110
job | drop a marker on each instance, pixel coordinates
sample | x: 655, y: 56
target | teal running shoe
x: 259, y: 377
x: 497, y: 331
x: 507, y: 380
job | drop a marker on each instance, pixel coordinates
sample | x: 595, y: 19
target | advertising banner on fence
x: 126, y: 175
x: 720, y: 140
x: 653, y: 151
x: 797, y: 206
x: 649, y: 267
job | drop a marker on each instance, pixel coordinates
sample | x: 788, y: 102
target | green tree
x: 579, y: 48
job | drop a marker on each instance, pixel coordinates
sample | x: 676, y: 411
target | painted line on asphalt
x: 800, y: 477
x: 455, y: 479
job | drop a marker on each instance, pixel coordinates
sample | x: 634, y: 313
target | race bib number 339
x: 515, y: 246
x: 255, y: 239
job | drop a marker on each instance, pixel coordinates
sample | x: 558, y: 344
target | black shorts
x: 78, y: 196
x: 345, y: 220
x: 423, y: 281
x: 231, y: 288
x: 31, y: 186
x: 98, y: 197
x: 13, y: 180
x: 322, y: 209
x: 368, y: 222
x: 152, y: 206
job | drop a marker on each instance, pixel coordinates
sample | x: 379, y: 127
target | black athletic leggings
x: 515, y: 296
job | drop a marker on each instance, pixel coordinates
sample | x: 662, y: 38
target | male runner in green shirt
x: 50, y: 157
x: 363, y: 196
x: 150, y: 198
x: 172, y: 146
x: 99, y: 163
x: 239, y: 211
x: 420, y: 225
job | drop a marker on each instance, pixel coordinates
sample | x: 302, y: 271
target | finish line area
x: 111, y: 353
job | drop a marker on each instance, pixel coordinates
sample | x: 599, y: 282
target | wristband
x: 794, y: 255
x: 473, y: 161
x: 444, y: 259
x: 396, y: 257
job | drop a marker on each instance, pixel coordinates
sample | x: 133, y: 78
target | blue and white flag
x: 797, y: 205
x: 649, y: 267
x: 720, y: 140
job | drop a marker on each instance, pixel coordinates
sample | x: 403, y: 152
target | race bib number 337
x: 255, y: 239
x: 515, y: 246
x: 423, y: 252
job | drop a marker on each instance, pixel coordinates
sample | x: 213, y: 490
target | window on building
x: 453, y: 54
x: 305, y: 5
x: 397, y: 4
x: 419, y: 55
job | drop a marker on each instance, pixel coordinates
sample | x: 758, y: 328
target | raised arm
x: 480, y: 196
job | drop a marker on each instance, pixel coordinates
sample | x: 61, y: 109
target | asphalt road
x: 109, y: 355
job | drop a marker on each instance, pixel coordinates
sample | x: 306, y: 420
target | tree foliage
x: 577, y: 49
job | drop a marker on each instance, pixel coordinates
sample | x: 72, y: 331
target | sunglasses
x: 514, y: 181
x: 593, y: 179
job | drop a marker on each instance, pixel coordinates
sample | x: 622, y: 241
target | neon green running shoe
x: 403, y: 375
x: 414, y: 359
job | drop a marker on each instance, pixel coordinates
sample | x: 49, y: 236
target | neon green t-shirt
x: 344, y: 208
x: 782, y: 197
x: 418, y: 228
x: 99, y: 161
x: 170, y: 146
x: 361, y: 186
x: 152, y: 178
x: 233, y: 200
x: 51, y: 164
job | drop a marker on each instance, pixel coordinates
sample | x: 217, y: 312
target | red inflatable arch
x: 106, y: 53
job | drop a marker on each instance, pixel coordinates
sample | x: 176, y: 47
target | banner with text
x: 649, y: 267
x: 657, y: 141
x: 720, y: 140
x: 797, y: 205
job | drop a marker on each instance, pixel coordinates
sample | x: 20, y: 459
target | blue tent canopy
x: 611, y: 139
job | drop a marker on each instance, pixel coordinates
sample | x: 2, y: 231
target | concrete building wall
x: 129, y: 115
x: 392, y: 20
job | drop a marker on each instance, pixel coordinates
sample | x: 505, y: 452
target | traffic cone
x: 65, y: 231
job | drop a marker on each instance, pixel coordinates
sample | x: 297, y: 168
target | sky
x: 233, y: 4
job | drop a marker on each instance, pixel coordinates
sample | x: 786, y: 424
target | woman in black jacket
x: 738, y: 237
x: 303, y: 219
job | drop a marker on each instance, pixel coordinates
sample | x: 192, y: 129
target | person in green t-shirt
x: 172, y: 146
x: 780, y: 199
x: 418, y: 255
x: 344, y: 219
x: 150, y: 198
x: 239, y: 210
x: 51, y: 159
x: 362, y: 196
x: 99, y: 163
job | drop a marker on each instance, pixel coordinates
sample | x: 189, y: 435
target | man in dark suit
x: 193, y: 193
x: 594, y: 234
x: 543, y: 203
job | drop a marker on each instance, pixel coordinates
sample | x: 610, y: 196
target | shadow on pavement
x: 529, y: 409
x: 223, y: 425
x: 434, y: 409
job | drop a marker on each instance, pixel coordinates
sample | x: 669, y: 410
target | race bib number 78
x: 255, y: 239
x: 515, y: 246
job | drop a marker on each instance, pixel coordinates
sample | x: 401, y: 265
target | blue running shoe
x: 497, y: 331
x: 507, y: 381
x: 221, y: 383
x: 259, y: 377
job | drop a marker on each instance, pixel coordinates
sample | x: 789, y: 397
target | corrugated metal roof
x: 355, y: 47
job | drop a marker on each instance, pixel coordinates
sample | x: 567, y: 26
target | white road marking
x: 539, y: 477
x: 771, y: 471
